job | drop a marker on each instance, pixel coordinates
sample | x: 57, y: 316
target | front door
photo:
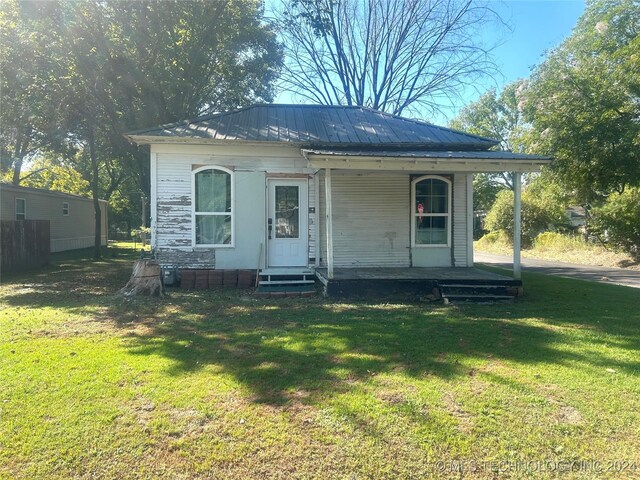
x: 287, y: 231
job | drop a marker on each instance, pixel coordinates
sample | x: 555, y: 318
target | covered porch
x: 350, y: 232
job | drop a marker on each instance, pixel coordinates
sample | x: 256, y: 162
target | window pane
x: 431, y: 230
x: 432, y: 196
x: 21, y: 209
x: 213, y: 191
x: 287, y: 211
x: 213, y: 229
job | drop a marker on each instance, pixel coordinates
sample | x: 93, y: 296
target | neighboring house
x: 330, y: 187
x: 577, y: 216
x: 71, y: 217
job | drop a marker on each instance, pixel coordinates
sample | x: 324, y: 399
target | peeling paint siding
x: 173, y: 228
x: 459, y: 233
x: 173, y: 196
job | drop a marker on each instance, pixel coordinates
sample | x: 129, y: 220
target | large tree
x: 391, y: 55
x: 584, y: 105
x: 498, y: 116
x: 128, y: 65
x: 30, y: 67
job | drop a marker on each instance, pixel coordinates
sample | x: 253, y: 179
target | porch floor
x: 468, y: 284
x: 411, y: 273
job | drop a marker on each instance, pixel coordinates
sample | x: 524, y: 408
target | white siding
x: 370, y: 226
x: 173, y: 185
x: 312, y: 219
x: 459, y: 234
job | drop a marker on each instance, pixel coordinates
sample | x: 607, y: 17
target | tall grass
x: 558, y: 247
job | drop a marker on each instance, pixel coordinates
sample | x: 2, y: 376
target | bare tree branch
x: 392, y: 55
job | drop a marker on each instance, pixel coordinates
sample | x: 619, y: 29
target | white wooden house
x: 71, y: 217
x: 330, y: 188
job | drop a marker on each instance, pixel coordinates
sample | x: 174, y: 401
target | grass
x: 221, y: 385
x: 558, y: 247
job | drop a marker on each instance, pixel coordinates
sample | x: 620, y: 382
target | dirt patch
x: 464, y: 418
x: 569, y: 415
x: 391, y: 397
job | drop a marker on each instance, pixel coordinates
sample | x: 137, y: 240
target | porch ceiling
x: 421, y: 161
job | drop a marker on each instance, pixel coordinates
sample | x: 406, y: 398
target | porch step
x: 283, y: 278
x: 493, y: 292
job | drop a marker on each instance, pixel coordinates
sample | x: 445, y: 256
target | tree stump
x: 146, y: 279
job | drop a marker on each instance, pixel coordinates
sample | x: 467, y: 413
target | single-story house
x: 71, y: 217
x: 340, y: 190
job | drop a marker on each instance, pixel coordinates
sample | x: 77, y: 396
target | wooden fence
x: 24, y: 244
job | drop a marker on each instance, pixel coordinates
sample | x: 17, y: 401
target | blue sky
x: 535, y: 26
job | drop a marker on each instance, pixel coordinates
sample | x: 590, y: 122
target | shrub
x: 537, y: 217
x: 618, y: 221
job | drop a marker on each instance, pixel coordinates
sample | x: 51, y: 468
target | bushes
x: 618, y: 221
x: 539, y: 214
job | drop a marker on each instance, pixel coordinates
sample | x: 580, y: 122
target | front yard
x: 221, y: 385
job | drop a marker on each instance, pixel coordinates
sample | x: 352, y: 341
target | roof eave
x: 422, y: 164
x: 310, y: 144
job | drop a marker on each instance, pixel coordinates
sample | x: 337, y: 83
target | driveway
x: 617, y: 276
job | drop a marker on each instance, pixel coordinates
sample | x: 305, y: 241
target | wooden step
x: 286, y: 276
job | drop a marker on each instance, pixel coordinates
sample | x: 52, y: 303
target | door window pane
x: 287, y: 205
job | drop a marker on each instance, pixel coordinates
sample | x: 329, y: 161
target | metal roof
x: 314, y: 125
x: 43, y: 191
x: 470, y: 155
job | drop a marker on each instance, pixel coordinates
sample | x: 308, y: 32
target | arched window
x: 213, y: 207
x: 431, y: 211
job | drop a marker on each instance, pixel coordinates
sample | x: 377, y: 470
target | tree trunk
x: 146, y: 280
x: 97, y: 244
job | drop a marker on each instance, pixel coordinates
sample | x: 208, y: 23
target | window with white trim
x: 65, y: 209
x: 213, y: 207
x: 21, y: 209
x: 431, y: 211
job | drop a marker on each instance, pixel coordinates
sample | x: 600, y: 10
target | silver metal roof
x: 314, y: 125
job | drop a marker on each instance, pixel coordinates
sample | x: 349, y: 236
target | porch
x: 447, y: 283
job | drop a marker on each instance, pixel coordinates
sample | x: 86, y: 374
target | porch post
x: 517, y: 204
x: 329, y: 221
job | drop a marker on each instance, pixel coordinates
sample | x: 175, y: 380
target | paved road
x: 618, y: 276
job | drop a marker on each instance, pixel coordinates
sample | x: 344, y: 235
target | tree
x: 499, y: 117
x: 127, y: 65
x: 29, y: 68
x: 583, y: 102
x: 618, y: 221
x: 391, y: 55
x: 52, y: 173
x: 543, y: 209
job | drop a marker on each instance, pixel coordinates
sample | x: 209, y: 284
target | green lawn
x: 221, y: 385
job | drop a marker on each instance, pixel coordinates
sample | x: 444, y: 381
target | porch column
x: 517, y: 204
x: 329, y: 220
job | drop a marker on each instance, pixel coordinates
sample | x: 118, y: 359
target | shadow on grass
x: 285, y: 347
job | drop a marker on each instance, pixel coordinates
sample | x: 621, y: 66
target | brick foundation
x: 205, y: 279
